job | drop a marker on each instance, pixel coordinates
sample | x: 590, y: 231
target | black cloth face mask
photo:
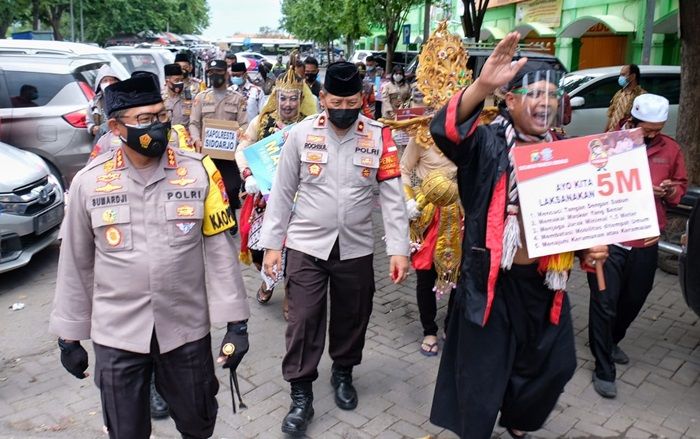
x: 150, y: 141
x: 343, y: 118
x: 311, y: 77
x: 177, y: 87
x: 217, y: 80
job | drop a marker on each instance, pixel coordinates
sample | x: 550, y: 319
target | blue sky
x: 230, y: 16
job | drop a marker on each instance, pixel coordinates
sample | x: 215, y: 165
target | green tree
x: 474, y: 12
x: 688, y: 128
x: 354, y: 22
x: 391, y: 14
x: 12, y: 11
x: 314, y: 20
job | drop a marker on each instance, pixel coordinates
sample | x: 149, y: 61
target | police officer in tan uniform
x: 143, y: 221
x: 193, y: 85
x: 328, y: 169
x: 220, y: 103
x: 179, y: 107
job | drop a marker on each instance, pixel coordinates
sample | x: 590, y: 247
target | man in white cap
x: 630, y: 268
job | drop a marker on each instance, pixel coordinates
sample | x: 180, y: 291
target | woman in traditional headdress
x: 289, y: 103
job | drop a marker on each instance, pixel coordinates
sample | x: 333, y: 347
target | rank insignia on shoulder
x: 109, y: 187
x: 119, y: 159
x: 322, y: 121
x: 113, y: 236
x: 360, y: 126
x: 172, y: 161
x: 314, y: 169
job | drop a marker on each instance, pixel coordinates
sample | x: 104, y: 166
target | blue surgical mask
x: 370, y: 68
x: 237, y: 80
x: 622, y: 81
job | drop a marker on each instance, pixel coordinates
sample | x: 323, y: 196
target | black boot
x: 301, y: 411
x: 159, y: 408
x: 345, y: 393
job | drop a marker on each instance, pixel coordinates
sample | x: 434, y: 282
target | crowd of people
x: 151, y: 218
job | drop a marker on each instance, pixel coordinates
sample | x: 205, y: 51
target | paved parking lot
x: 659, y: 391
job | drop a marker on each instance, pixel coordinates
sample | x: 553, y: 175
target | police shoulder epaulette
x: 190, y: 154
x: 312, y: 117
x: 373, y: 122
x: 101, y: 159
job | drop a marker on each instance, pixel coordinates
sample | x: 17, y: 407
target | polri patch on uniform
x: 113, y: 236
x: 185, y: 228
x: 109, y: 216
x: 109, y: 187
x: 315, y: 169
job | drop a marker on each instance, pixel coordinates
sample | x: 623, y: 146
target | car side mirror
x: 577, y: 101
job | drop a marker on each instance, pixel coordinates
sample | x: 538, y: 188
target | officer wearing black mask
x: 311, y: 75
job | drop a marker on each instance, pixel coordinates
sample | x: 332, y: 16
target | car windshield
x: 573, y: 81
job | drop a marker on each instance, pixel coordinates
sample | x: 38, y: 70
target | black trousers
x: 184, y: 377
x: 351, y: 291
x: 517, y: 363
x: 377, y: 109
x: 427, y: 303
x: 629, y: 278
x: 232, y: 181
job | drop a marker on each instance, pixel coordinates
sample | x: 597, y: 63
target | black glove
x: 74, y: 358
x: 237, y: 335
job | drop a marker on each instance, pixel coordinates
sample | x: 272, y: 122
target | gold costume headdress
x: 287, y: 82
x: 442, y: 71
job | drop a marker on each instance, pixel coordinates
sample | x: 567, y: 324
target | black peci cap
x: 138, y: 91
x: 172, y: 69
x: 342, y: 79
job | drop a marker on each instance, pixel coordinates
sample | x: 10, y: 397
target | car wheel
x: 675, y: 227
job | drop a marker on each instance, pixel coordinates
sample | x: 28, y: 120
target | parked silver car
x: 591, y: 91
x: 31, y: 207
x: 43, y: 105
x: 75, y: 50
x: 142, y: 59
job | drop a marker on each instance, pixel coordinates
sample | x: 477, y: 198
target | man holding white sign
x: 629, y: 272
x: 510, y: 342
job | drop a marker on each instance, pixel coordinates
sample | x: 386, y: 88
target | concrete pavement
x: 659, y: 391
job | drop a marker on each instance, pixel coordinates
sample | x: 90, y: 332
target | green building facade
x: 581, y: 33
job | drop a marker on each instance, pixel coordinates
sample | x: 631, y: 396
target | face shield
x: 535, y: 101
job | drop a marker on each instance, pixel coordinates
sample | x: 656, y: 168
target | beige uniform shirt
x: 393, y: 97
x: 180, y: 108
x: 133, y: 255
x: 210, y: 104
x: 422, y: 161
x: 334, y: 180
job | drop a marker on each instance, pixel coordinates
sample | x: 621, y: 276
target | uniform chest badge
x: 185, y: 228
x: 366, y: 172
x: 109, y: 216
x: 113, y: 236
x: 181, y: 172
x: 109, y: 187
x: 109, y: 177
x: 366, y: 161
x: 108, y: 166
x: 314, y: 169
x: 185, y: 210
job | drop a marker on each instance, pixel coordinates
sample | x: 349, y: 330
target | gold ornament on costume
x: 439, y: 188
x: 442, y: 72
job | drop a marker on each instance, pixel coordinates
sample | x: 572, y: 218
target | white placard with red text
x: 578, y: 193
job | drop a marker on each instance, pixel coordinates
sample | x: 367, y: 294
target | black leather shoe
x: 159, y: 408
x: 301, y: 411
x: 345, y: 393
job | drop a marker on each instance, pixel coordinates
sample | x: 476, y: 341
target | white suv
x: 592, y: 90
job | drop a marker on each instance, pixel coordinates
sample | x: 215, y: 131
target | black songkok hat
x: 216, y: 64
x: 342, y: 79
x: 534, y: 71
x: 182, y: 57
x: 172, y: 69
x: 138, y: 91
x: 238, y: 67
